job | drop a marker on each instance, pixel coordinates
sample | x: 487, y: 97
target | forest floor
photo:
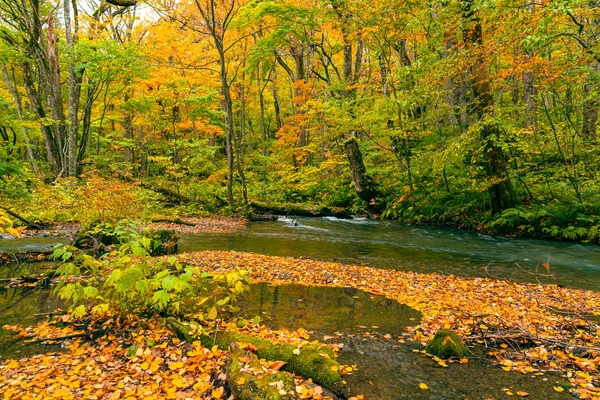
x: 528, y: 328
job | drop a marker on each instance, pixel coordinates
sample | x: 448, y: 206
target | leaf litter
x: 529, y: 329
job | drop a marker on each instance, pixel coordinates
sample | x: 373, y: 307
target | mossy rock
x: 446, y: 344
x: 247, y: 378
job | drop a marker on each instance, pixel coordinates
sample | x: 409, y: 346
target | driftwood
x: 270, y: 211
x: 39, y: 280
x: 31, y: 225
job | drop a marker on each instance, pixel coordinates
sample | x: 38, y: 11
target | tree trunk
x: 362, y: 182
x: 55, y: 96
x: 590, y: 109
x: 529, y: 93
x: 75, y: 79
x: 276, y: 106
x: 500, y: 189
x: 19, y: 106
x: 35, y: 103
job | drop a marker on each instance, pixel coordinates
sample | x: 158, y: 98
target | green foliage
x: 128, y: 281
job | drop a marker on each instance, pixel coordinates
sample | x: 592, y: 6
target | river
x: 399, y: 246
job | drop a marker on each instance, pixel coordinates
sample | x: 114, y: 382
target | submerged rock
x: 446, y: 344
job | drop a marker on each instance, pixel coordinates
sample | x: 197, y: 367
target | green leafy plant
x: 128, y: 281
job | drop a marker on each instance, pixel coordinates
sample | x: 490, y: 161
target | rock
x: 446, y: 344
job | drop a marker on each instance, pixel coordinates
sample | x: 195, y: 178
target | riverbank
x: 527, y: 329
x: 193, y: 226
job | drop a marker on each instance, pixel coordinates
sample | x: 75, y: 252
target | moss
x: 247, y: 379
x: 446, y: 344
x: 315, y: 362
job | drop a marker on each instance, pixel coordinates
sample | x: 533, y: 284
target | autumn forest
x: 127, y: 125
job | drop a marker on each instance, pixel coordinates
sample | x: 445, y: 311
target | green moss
x: 247, y: 380
x: 312, y: 361
x: 446, y: 344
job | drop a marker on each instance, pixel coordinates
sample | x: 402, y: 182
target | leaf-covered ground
x: 135, y: 361
x: 528, y: 328
x: 183, y: 225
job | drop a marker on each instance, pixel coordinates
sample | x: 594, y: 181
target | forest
x: 127, y: 125
x: 480, y: 115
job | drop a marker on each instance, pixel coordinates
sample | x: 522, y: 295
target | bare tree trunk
x: 55, y: 96
x: 35, y: 103
x: 276, y: 104
x: 19, y: 106
x: 74, y: 85
x: 529, y: 93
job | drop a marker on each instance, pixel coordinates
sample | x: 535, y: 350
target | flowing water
x: 423, y: 249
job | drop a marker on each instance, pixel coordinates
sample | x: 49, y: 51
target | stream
x: 370, y: 327
x: 394, y: 245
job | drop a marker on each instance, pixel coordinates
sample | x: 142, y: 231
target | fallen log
x: 310, y: 361
x: 41, y: 280
x: 248, y: 379
x: 28, y: 257
x: 177, y: 221
x: 29, y: 224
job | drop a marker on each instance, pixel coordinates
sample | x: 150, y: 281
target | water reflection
x: 327, y: 310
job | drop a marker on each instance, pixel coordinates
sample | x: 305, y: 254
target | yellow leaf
x: 442, y: 363
x: 241, y: 380
x: 559, y: 389
x: 12, y: 364
x: 154, y: 367
x: 423, y: 386
x: 175, y: 365
x: 218, y: 392
x: 523, y: 394
x: 296, y: 351
x: 334, y: 368
x: 506, y: 368
x: 178, y: 382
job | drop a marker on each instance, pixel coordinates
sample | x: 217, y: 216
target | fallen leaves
x: 475, y: 308
x: 152, y: 363
x: 103, y: 369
